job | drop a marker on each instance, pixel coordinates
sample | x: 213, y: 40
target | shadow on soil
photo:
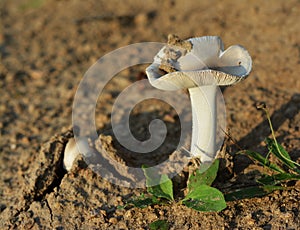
x: 286, y: 112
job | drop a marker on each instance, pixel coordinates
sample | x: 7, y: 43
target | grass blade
x: 278, y: 178
x: 251, y: 192
x: 281, y: 154
x: 262, y: 160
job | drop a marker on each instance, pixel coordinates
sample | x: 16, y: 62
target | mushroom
x: 73, y: 149
x: 199, y: 65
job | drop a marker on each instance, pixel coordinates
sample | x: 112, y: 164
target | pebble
x: 122, y: 225
x: 25, y: 140
x: 152, y: 216
x: 141, y: 19
x: 113, y: 220
x: 128, y: 214
x: 13, y: 146
x: 161, y: 212
x: 36, y: 74
x: 169, y: 118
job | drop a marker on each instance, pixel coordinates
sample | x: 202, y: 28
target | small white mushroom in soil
x: 199, y: 65
x: 72, y: 151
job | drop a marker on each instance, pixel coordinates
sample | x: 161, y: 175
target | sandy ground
x: 47, y: 46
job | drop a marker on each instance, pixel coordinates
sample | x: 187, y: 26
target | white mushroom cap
x: 206, y: 63
x: 72, y: 150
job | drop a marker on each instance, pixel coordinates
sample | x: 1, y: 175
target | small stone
x: 113, y: 220
x: 176, y: 41
x: 36, y: 74
x: 103, y: 212
x: 169, y: 118
x: 122, y: 225
x: 141, y: 19
x: 128, y: 214
x: 13, y: 146
x: 25, y: 140
x: 151, y: 216
x: 139, y: 221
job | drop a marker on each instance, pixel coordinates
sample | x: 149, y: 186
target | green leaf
x: 275, y: 179
x: 281, y: 154
x: 251, y: 192
x: 159, y: 225
x: 164, y: 189
x: 159, y: 186
x: 207, y: 177
x: 205, y: 198
x: 264, y: 161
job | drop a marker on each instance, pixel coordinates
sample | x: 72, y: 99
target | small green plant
x: 201, y: 196
x: 285, y: 170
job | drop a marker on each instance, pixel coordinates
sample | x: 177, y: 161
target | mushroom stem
x: 203, y: 101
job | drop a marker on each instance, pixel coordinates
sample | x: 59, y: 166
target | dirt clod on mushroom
x: 174, y: 40
x: 174, y: 49
x: 166, y: 67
